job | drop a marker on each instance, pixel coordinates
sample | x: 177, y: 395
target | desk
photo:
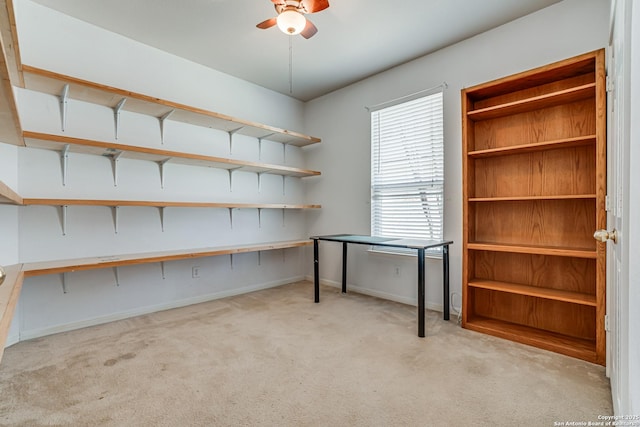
x: 418, y: 245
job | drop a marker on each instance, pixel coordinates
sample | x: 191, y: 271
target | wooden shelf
x: 53, y: 83
x: 9, y: 35
x: 100, y: 148
x: 535, y: 291
x: 531, y: 198
x: 9, y: 293
x: 538, y: 146
x: 535, y: 250
x: 563, y: 344
x: 534, y: 103
x: 10, y: 289
x: 163, y: 204
x: 10, y: 127
x: 79, y: 264
x: 8, y: 196
x: 576, y: 66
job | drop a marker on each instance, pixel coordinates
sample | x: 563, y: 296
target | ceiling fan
x: 291, y: 19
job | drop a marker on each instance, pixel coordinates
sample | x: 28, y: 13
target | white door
x: 617, y: 177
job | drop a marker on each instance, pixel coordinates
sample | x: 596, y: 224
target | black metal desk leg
x: 316, y: 271
x: 344, y: 267
x: 421, y: 292
x: 445, y: 278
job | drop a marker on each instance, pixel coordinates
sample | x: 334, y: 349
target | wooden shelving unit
x: 67, y: 86
x: 14, y: 73
x: 66, y: 144
x: 164, y: 204
x: 15, y: 274
x: 161, y: 205
x: 534, y: 167
x: 91, y: 263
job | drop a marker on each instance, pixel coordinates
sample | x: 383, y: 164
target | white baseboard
x: 11, y: 340
x: 378, y: 294
x: 37, y: 333
x: 50, y: 330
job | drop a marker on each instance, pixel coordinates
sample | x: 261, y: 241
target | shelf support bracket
x: 63, y: 276
x: 259, y: 257
x: 114, y: 212
x: 161, y: 165
x: 161, y: 212
x: 231, y: 178
x: 161, y: 119
x: 284, y: 255
x: 231, y: 133
x: 231, y: 260
x: 283, y: 186
x: 259, y: 175
x: 64, y: 96
x: 64, y: 158
x: 114, y: 165
x: 283, y: 217
x: 231, y: 217
x: 115, y: 272
x: 259, y: 217
x: 63, y: 218
x: 260, y: 144
x: 116, y: 114
x: 284, y: 153
x: 162, y: 269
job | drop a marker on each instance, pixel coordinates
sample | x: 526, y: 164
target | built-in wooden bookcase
x: 534, y: 166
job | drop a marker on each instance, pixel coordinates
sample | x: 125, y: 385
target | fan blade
x: 313, y: 6
x: 309, y: 30
x: 267, y: 24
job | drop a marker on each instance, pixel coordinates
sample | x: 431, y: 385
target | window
x: 407, y: 169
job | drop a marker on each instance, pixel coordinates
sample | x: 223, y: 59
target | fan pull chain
x: 290, y: 65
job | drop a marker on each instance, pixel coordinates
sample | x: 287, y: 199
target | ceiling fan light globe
x: 291, y: 22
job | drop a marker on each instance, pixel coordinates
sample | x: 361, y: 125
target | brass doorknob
x: 604, y: 235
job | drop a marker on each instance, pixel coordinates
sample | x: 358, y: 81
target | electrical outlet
x: 195, y: 272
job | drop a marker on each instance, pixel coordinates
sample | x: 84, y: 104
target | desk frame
x: 419, y: 245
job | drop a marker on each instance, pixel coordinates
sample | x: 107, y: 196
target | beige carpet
x: 274, y: 358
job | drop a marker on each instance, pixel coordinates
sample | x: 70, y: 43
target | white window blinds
x: 407, y: 169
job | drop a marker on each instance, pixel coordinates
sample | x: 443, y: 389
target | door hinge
x: 607, y: 324
x: 607, y: 203
x: 609, y: 84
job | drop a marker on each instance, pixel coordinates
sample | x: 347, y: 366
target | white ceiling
x: 355, y: 39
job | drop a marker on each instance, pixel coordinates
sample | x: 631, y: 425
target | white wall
x: 56, y: 42
x: 8, y: 213
x: 563, y: 30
